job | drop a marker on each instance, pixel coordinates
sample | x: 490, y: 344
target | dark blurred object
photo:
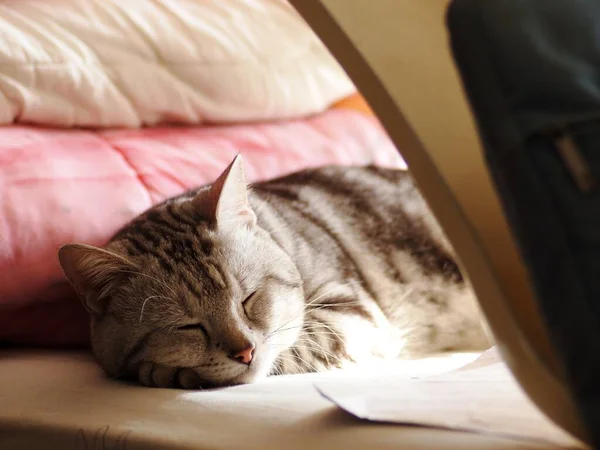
x: 531, y: 70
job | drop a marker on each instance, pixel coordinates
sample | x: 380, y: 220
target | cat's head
x: 192, y: 283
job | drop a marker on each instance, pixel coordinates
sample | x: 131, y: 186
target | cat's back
x: 365, y: 189
x: 378, y: 204
x: 369, y: 223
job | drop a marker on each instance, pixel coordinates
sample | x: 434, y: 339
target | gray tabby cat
x: 228, y: 284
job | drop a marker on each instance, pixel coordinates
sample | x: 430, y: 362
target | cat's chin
x: 251, y: 374
x: 246, y: 379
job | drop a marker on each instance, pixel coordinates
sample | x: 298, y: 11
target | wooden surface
x: 62, y: 401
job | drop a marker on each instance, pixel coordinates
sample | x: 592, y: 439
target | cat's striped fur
x: 313, y: 270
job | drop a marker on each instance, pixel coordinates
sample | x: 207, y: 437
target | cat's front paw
x: 156, y: 375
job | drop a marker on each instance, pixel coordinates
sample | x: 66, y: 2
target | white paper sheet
x: 481, y: 397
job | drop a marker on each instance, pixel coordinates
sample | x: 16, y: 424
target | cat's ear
x: 92, y: 272
x: 226, y: 202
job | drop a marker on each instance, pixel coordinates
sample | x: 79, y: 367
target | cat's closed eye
x: 247, y: 303
x: 193, y: 326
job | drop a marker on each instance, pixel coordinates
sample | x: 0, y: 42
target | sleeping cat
x: 228, y: 284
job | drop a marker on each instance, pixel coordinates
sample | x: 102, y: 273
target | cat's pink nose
x: 244, y: 356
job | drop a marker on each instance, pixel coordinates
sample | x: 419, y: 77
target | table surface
x: 51, y: 400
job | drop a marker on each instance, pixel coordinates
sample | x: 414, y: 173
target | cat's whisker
x: 312, y: 344
x: 271, y: 344
x: 306, y: 306
x: 146, y: 301
x: 324, y: 325
x: 302, y: 361
x: 314, y: 348
x: 268, y: 335
x: 297, y: 359
x: 274, y: 370
x: 275, y: 333
x: 302, y: 326
x: 334, y: 305
x: 289, y: 359
x: 320, y: 333
x: 304, y: 332
x: 331, y: 360
x: 330, y: 291
x: 330, y: 305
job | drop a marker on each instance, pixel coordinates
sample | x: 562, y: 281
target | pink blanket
x: 60, y: 186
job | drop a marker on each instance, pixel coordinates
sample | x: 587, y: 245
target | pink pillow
x: 61, y: 186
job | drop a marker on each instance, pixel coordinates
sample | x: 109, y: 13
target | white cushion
x: 128, y: 63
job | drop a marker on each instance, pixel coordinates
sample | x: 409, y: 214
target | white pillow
x: 130, y: 63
